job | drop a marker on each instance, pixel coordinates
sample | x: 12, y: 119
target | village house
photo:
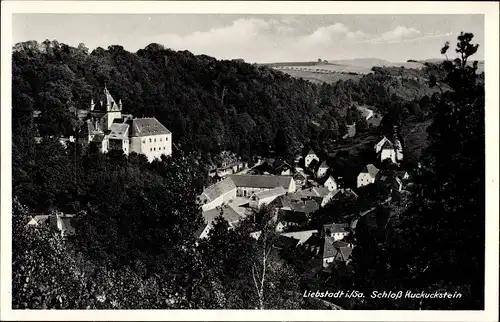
x: 336, y: 195
x: 289, y: 218
x: 321, y: 248
x: 367, y: 175
x: 209, y: 216
x: 331, y: 184
x: 336, y: 231
x: 218, y: 194
x: 387, y: 150
x: 108, y: 129
x: 282, y: 168
x: 309, y: 158
x: 266, y: 197
x: 395, y: 178
x: 342, y: 253
x: 300, y: 177
x: 322, y: 170
x: 329, y: 250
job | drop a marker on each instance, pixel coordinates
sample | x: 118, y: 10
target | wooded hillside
x: 209, y: 105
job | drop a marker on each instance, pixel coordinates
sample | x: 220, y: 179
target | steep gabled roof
x: 323, y: 165
x: 311, y: 152
x: 342, y: 253
x: 387, y: 145
x: 371, y: 170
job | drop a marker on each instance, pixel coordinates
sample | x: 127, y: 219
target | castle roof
x: 146, y: 127
x: 118, y: 131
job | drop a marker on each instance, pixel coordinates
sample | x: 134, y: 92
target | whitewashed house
x: 330, y: 184
x: 367, y: 175
x: 322, y: 170
x: 266, y: 197
x: 336, y: 231
x: 378, y: 146
x: 217, y: 194
x: 388, y: 152
x: 309, y: 158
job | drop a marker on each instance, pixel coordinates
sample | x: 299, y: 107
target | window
x: 143, y: 141
x: 166, y: 138
x: 155, y: 139
x: 160, y: 139
x: 150, y: 149
x: 154, y: 149
x: 149, y: 140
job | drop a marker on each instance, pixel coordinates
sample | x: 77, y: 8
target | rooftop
x: 260, y: 181
x: 371, y: 170
x: 146, y: 127
x: 302, y: 236
x: 118, y: 131
x: 292, y: 216
x: 218, y: 189
x: 387, y: 145
x: 278, y: 191
x: 335, y: 228
x: 228, y: 213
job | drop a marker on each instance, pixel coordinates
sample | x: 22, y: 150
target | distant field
x: 319, y: 77
x: 354, y: 69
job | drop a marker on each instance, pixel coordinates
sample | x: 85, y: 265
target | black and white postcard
x: 252, y: 160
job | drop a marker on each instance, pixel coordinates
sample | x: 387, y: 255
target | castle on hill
x: 106, y: 127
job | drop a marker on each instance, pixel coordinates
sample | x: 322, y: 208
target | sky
x: 260, y: 38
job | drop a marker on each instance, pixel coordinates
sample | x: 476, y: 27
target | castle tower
x: 113, y: 110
